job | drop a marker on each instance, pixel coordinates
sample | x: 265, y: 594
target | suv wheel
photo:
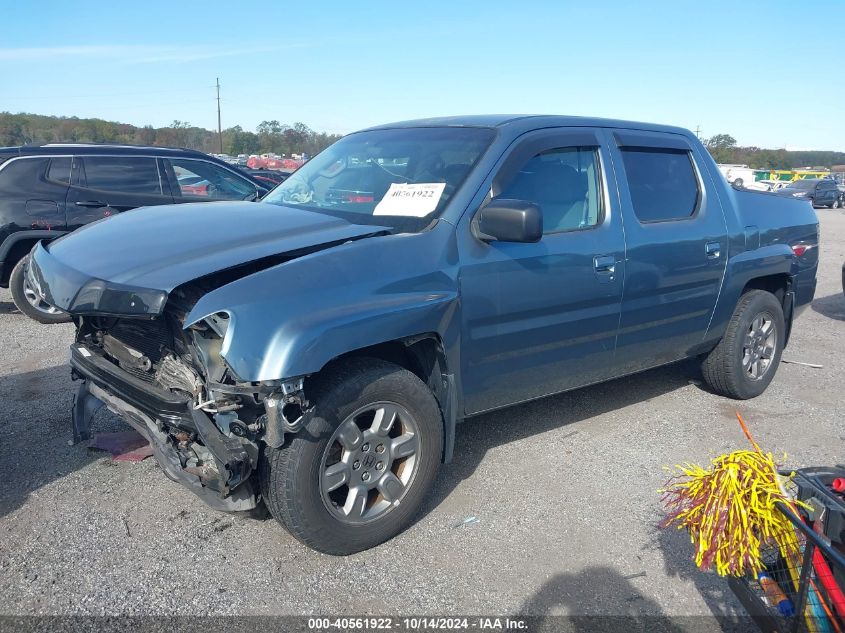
x: 359, y: 471
x: 744, y: 362
x: 836, y: 204
x: 28, y: 301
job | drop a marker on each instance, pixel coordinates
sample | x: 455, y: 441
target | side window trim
x: 164, y: 177
x: 524, y: 150
x: 550, y: 141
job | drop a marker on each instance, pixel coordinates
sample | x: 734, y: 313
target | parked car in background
x: 754, y: 185
x: 821, y: 192
x: 270, y: 177
x: 316, y: 349
x: 774, y: 185
x: 739, y: 175
x: 50, y: 190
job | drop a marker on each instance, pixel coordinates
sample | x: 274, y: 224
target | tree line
x: 269, y: 136
x: 273, y: 136
x: 724, y: 149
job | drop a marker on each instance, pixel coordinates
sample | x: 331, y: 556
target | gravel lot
x: 564, y: 489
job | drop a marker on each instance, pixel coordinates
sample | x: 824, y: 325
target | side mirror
x: 507, y: 220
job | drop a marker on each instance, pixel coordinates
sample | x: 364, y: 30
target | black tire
x: 17, y: 285
x: 738, y: 183
x: 723, y: 367
x: 290, y: 476
x: 836, y: 204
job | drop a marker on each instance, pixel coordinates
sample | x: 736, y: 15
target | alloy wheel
x: 36, y: 302
x: 759, y: 346
x: 370, y: 462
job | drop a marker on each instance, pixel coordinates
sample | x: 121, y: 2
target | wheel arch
x: 424, y: 355
x: 17, y: 246
x: 780, y: 285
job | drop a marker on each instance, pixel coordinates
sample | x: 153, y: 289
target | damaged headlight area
x: 173, y: 385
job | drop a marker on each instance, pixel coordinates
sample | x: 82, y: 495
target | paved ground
x: 565, y: 491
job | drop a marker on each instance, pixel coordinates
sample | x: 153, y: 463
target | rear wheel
x: 28, y: 301
x: 359, y: 471
x: 744, y: 362
x: 836, y: 204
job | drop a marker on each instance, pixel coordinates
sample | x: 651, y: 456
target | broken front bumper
x: 156, y: 412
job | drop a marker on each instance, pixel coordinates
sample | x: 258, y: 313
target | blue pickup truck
x: 315, y: 351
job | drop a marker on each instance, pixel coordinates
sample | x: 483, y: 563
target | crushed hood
x: 129, y: 263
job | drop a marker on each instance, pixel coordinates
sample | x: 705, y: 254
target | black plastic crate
x: 789, y: 596
x: 815, y: 487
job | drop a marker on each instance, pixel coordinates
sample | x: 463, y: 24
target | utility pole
x: 219, y: 124
x: 698, y: 132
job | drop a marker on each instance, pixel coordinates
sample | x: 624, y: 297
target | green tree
x: 722, y: 148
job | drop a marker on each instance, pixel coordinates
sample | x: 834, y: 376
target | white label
x: 411, y: 200
x: 84, y: 352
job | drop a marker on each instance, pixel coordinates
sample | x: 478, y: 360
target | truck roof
x: 525, y: 122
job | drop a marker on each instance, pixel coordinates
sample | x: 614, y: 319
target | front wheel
x: 836, y: 204
x: 359, y: 471
x: 744, y: 362
x: 28, y: 301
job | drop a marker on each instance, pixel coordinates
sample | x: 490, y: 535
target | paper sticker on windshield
x: 411, y: 200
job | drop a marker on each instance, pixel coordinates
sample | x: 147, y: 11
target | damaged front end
x: 173, y: 386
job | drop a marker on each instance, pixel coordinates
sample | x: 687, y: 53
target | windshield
x: 802, y: 184
x: 402, y: 178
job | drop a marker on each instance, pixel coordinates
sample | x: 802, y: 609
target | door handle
x: 90, y: 203
x: 713, y: 250
x: 605, y: 264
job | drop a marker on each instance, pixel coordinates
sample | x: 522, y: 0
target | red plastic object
x: 825, y: 575
x: 838, y: 484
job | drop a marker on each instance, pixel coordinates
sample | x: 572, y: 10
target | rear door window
x: 126, y: 174
x: 206, y: 181
x: 662, y: 182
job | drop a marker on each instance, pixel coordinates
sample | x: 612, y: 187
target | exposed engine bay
x: 173, y: 386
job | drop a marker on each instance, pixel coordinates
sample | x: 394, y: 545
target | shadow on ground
x: 7, y: 307
x: 479, y: 434
x: 832, y: 307
x: 35, y: 410
x: 595, y: 599
x: 678, y: 562
x: 601, y: 599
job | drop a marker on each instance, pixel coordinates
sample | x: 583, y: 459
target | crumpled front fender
x: 292, y: 319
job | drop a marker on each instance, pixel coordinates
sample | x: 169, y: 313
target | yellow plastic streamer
x: 730, y: 511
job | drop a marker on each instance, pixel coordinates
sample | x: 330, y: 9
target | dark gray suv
x: 50, y: 190
x: 820, y: 192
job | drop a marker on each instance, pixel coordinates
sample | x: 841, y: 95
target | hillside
x: 269, y: 136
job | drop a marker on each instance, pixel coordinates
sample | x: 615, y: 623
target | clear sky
x: 768, y: 73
